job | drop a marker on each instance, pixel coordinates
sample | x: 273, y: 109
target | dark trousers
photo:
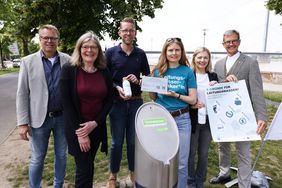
x: 84, y: 162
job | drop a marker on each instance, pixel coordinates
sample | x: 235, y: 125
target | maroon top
x: 91, y: 91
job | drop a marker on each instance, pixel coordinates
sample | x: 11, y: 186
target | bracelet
x: 178, y: 96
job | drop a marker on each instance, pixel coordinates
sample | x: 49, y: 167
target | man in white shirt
x: 238, y: 66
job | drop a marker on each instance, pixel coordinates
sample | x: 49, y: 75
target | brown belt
x: 179, y: 112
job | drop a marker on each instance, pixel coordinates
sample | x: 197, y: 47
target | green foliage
x: 4, y: 9
x: 72, y: 17
x: 275, y: 5
x: 33, y: 47
x: 5, y: 41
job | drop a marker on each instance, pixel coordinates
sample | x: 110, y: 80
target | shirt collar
x: 53, y: 60
x: 121, y: 51
x: 235, y: 56
x: 43, y: 55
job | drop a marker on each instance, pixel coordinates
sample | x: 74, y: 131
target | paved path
x: 8, y: 87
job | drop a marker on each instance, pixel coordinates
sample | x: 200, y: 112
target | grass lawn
x: 274, y: 96
x: 270, y: 161
x: 8, y: 70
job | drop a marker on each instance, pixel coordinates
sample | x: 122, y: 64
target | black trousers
x: 84, y: 162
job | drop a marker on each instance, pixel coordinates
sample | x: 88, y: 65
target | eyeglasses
x: 173, y: 39
x: 231, y: 41
x: 127, y: 31
x: 89, y: 47
x: 49, y: 38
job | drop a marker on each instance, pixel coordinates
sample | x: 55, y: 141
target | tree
x: 16, y: 22
x: 4, y: 9
x: 275, y: 5
x: 75, y: 17
x: 4, y: 51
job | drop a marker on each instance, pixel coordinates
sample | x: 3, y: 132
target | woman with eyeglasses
x: 201, y: 134
x: 86, y: 89
x: 173, y: 65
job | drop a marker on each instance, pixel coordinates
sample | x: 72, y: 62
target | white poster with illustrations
x: 230, y: 111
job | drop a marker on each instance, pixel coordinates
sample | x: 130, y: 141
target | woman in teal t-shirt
x: 173, y: 65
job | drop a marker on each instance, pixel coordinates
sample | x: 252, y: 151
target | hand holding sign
x: 154, y: 84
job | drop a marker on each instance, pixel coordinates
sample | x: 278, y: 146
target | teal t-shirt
x: 180, y: 79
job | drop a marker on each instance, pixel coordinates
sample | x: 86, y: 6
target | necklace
x: 92, y: 69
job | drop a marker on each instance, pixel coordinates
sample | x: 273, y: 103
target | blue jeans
x: 184, y: 128
x: 39, y: 146
x: 200, y: 143
x: 122, y: 120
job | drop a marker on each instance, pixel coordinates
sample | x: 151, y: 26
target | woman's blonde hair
x: 163, y: 62
x: 76, y: 59
x: 196, y: 52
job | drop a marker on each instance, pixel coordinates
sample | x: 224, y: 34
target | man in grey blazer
x: 238, y: 66
x: 39, y: 108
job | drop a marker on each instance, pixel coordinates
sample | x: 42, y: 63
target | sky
x: 186, y: 19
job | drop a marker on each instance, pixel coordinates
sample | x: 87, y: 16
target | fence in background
x: 270, y: 63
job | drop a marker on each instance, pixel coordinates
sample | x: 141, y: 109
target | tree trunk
x: 25, y: 46
x: 1, y: 56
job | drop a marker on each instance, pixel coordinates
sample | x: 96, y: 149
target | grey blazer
x: 246, y: 68
x: 32, y: 92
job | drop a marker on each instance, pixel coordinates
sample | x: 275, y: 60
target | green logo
x: 153, y: 122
